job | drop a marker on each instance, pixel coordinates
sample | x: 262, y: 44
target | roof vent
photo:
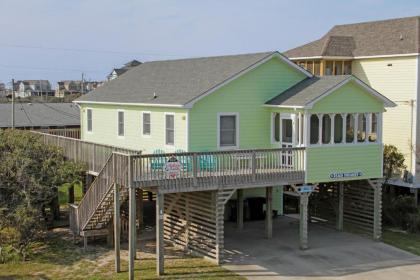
x: 154, y: 95
x: 401, y: 37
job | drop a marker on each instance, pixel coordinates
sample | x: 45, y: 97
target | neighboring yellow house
x: 385, y: 55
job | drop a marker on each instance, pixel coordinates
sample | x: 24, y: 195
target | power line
x: 83, y: 50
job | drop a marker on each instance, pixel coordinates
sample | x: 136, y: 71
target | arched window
x: 349, y: 128
x: 314, y: 137
x: 338, y: 128
x: 326, y: 129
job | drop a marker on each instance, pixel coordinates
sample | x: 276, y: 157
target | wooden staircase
x: 95, y: 210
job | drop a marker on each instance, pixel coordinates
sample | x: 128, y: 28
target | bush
x: 402, y: 213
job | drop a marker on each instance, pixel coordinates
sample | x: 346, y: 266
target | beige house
x: 385, y: 55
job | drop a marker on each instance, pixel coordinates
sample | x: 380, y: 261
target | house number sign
x: 172, y: 168
x: 338, y: 175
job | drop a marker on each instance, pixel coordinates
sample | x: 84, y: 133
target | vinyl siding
x: 399, y: 83
x: 104, y: 127
x: 322, y: 161
x: 245, y: 96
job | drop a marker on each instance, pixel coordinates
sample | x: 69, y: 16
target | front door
x: 286, y: 136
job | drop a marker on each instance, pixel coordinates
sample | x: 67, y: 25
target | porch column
x: 117, y: 228
x: 240, y: 209
x: 377, y: 215
x: 269, y: 213
x: 340, y: 208
x: 132, y: 233
x: 160, y: 250
x: 303, y: 223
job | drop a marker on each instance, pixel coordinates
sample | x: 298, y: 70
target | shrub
x: 402, y: 213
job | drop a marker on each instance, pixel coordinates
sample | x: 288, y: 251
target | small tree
x: 30, y: 172
x: 393, y: 162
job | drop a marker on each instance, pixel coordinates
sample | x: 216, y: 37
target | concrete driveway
x: 332, y: 254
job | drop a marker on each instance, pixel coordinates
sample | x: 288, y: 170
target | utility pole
x: 83, y: 82
x: 13, y: 103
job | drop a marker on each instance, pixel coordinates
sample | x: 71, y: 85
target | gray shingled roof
x: 385, y: 37
x: 40, y: 114
x: 175, y: 82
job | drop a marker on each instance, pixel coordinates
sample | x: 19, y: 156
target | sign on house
x: 172, y: 168
x: 305, y: 189
x: 338, y: 175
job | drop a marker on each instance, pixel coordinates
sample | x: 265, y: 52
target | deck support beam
x: 132, y: 229
x: 377, y: 208
x: 269, y: 212
x: 117, y: 228
x: 281, y: 200
x: 340, y: 208
x: 160, y: 249
x: 303, y: 222
x: 240, y: 209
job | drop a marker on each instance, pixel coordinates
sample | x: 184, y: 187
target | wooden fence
x: 65, y: 132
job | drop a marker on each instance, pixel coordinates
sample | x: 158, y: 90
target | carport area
x: 331, y: 254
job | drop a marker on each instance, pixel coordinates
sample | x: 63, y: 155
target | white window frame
x: 165, y: 140
x: 150, y: 124
x: 87, y: 120
x: 226, y: 114
x: 118, y: 123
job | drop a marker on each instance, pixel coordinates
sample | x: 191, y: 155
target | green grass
x: 58, y: 258
x: 406, y: 241
x: 63, y: 195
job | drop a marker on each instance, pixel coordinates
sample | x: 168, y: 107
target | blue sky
x: 57, y: 39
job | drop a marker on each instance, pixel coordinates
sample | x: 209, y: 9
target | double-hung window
x: 120, y: 123
x: 228, y: 131
x: 169, y: 129
x: 89, y: 120
x: 146, y: 123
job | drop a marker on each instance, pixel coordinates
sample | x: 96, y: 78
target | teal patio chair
x: 207, y: 162
x: 186, y: 161
x: 157, y: 163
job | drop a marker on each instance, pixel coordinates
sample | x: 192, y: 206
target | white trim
x: 87, y: 125
x: 118, y: 124
x: 221, y: 114
x: 346, y: 144
x: 351, y: 57
x: 386, y: 101
x: 142, y: 124
x: 131, y: 104
x: 284, y: 106
x: 187, y: 132
x: 246, y: 70
x: 164, y: 124
x: 416, y: 127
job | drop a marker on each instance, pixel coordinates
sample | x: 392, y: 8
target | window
x: 286, y: 130
x: 120, y: 123
x: 349, y: 128
x: 89, y: 119
x: 328, y: 68
x: 347, y: 67
x: 276, y: 127
x: 227, y: 131
x: 338, y: 128
x: 169, y: 130
x: 373, y: 128
x: 146, y: 123
x: 338, y: 67
x: 326, y: 129
x: 361, y: 128
x: 314, y: 137
x: 317, y: 68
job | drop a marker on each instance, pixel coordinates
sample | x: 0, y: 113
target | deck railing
x: 92, y: 154
x: 65, y: 132
x: 208, y: 169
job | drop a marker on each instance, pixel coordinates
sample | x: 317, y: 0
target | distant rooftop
x: 40, y: 115
x: 384, y: 37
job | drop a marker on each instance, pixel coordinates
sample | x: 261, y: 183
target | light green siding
x: 322, y: 161
x: 246, y: 96
x: 350, y: 98
x: 104, y: 123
